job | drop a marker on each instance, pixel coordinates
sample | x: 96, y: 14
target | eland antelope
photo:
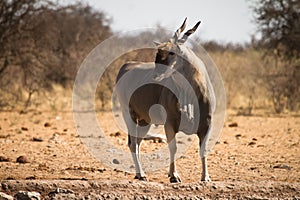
x: 141, y: 85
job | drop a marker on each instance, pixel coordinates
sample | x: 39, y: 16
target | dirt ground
x: 257, y: 157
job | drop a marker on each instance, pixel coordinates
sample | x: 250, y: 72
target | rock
x: 58, y: 117
x: 3, y: 159
x: 116, y: 134
x: 61, y: 191
x: 230, y: 187
x: 4, y: 136
x: 282, y: 166
x: 238, y: 136
x: 214, y: 187
x: 36, y: 139
x: 4, y: 196
x: 155, y: 137
x: 115, y: 161
x: 175, y: 187
x: 24, y: 128
x: 233, y: 124
x: 30, y: 178
x: 47, y: 124
x: 22, y: 159
x: 251, y: 143
x: 23, y: 195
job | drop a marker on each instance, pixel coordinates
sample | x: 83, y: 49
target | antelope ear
x: 156, y: 43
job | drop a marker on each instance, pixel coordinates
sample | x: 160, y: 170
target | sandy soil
x: 256, y: 157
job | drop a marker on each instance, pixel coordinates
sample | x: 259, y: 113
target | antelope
x: 182, y: 107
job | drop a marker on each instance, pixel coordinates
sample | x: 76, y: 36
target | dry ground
x: 259, y: 157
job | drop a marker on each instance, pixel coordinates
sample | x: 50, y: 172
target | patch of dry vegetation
x: 43, y: 45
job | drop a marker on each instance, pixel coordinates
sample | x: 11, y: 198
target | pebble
x: 47, y: 124
x: 233, y: 124
x: 214, y: 187
x: 282, y: 166
x: 252, y: 143
x: 238, y: 136
x: 60, y: 191
x: 24, y: 129
x: 175, y: 187
x: 4, y: 196
x: 116, y: 134
x: 4, y: 159
x: 36, y: 139
x: 115, y: 161
x: 22, y: 159
x: 23, y: 195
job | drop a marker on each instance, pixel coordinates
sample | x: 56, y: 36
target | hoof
x: 141, y: 178
x: 205, y: 179
x: 175, y: 179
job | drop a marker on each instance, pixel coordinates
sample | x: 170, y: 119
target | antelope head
x: 169, y: 52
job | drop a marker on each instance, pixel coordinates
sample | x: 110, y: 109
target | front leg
x: 174, y: 177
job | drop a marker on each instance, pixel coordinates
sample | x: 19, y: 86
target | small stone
x: 4, y: 196
x: 251, y: 143
x: 4, y: 136
x: 30, y: 178
x: 58, y: 117
x: 282, y: 166
x: 233, y: 124
x: 175, y: 186
x: 23, y: 195
x: 3, y: 159
x: 61, y: 191
x: 47, y: 124
x: 230, y: 187
x: 115, y: 161
x: 22, y: 159
x: 101, y: 170
x: 238, y: 136
x: 36, y: 139
x: 24, y: 128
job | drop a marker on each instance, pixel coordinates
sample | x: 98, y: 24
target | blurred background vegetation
x: 43, y: 43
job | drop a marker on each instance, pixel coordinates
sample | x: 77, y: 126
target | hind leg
x: 202, y: 140
x: 134, y: 147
